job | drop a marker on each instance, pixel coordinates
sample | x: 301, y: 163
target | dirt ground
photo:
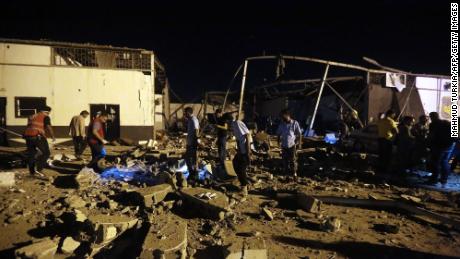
x: 28, y: 206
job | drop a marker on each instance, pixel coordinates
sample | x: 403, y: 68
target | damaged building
x: 130, y: 84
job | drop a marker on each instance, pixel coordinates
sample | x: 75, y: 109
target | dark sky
x: 202, y: 46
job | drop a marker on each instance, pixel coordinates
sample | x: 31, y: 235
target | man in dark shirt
x: 222, y: 131
x: 441, y: 145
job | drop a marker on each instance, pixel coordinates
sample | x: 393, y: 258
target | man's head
x: 408, y: 120
x: 390, y: 114
x: 103, y: 116
x: 434, y: 116
x: 84, y: 114
x: 218, y: 113
x: 46, y: 110
x: 188, y: 112
x: 286, y: 115
x: 423, y: 119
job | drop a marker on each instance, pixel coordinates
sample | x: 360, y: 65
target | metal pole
x: 319, y: 97
x: 243, y: 82
x: 152, y: 81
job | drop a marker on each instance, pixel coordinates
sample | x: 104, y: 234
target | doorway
x: 3, y: 137
x: 112, y: 126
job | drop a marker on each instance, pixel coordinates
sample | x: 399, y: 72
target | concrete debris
x: 207, y: 207
x: 74, y: 201
x: 151, y: 195
x: 331, y: 224
x: 69, y: 245
x: 411, y: 198
x: 166, y: 238
x: 86, y: 178
x: 267, y: 214
x: 108, y: 227
x: 248, y: 248
x: 7, y: 179
x: 308, y: 203
x: 43, y: 249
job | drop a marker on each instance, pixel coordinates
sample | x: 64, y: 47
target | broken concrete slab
x: 43, y: 249
x: 209, y: 208
x: 108, y: 227
x: 74, y: 201
x: 308, y: 203
x: 151, y: 195
x: 247, y: 248
x: 69, y: 245
x: 166, y: 238
x: 331, y: 224
x: 7, y: 179
x: 267, y: 214
x: 86, y: 178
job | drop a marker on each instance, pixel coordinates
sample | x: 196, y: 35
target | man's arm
x: 248, y: 144
x: 82, y: 127
x: 51, y: 132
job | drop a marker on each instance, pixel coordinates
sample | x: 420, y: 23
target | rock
x: 86, y: 178
x: 331, y: 224
x: 151, y: 195
x: 386, y: 228
x: 69, y: 157
x: 181, y: 181
x: 43, y: 249
x: 74, y: 201
x: 165, y: 177
x: 108, y: 227
x: 7, y: 179
x: 69, y: 245
x: 208, y: 208
x: 248, y: 248
x: 308, y: 203
x: 411, y: 198
x: 58, y: 157
x: 167, y: 236
x: 267, y: 214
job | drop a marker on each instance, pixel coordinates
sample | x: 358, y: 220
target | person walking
x: 289, y: 135
x: 242, y: 158
x: 78, y: 133
x: 96, y: 137
x: 193, y: 130
x: 35, y: 134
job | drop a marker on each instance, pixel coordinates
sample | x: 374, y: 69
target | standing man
x: 387, y: 130
x: 78, y: 133
x: 242, y: 158
x: 405, y: 145
x: 222, y: 131
x: 289, y: 133
x: 38, y: 150
x: 96, y: 137
x: 441, y: 145
x: 420, y: 132
x: 193, y: 130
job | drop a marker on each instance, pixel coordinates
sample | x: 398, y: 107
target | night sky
x: 202, y: 46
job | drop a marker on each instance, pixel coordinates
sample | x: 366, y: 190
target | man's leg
x: 222, y: 149
x: 293, y: 161
x: 435, y: 165
x: 42, y: 145
x: 240, y: 164
x: 190, y: 160
x: 81, y: 146
x: 444, y: 164
x: 76, y: 145
x: 31, y: 153
x: 285, y: 158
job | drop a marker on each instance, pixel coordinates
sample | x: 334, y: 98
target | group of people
x: 424, y: 140
x: 289, y: 137
x: 39, y: 128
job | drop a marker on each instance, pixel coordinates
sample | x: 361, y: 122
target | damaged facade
x: 129, y: 84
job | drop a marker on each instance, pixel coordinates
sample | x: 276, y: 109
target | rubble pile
x: 140, y: 204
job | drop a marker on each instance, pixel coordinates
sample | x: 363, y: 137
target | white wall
x: 69, y: 90
x: 25, y: 54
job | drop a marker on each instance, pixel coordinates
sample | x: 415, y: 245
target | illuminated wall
x: 435, y: 95
x: 25, y: 71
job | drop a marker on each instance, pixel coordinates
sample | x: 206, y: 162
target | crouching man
x: 96, y: 138
x: 242, y: 158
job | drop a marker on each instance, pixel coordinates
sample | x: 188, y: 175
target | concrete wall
x: 68, y: 90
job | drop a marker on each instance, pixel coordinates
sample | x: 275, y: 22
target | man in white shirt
x: 193, y: 129
x: 242, y: 158
x: 288, y: 132
x: 78, y: 133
